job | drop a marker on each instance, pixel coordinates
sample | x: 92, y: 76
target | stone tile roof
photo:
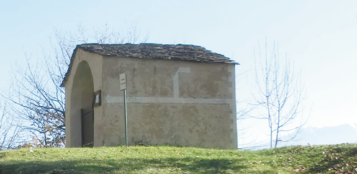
x: 153, y: 51
x: 157, y: 51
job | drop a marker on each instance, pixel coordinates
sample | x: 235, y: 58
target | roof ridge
x: 135, y: 50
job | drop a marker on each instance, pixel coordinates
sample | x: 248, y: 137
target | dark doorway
x: 87, y: 127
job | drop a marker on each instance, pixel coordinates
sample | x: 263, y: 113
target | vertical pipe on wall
x: 125, y: 119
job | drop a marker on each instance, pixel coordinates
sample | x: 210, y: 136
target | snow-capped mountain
x: 346, y: 133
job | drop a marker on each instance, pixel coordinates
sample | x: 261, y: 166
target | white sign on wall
x: 122, y: 79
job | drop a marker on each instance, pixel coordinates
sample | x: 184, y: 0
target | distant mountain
x: 346, y: 133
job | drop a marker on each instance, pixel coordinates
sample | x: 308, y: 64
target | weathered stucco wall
x: 178, y: 103
x: 75, y: 98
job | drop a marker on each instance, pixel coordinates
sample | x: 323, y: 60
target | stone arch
x: 82, y: 115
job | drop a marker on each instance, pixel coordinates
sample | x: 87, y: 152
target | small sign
x: 122, y: 79
x: 97, y: 98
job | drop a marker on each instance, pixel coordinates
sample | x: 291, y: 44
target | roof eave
x: 65, y: 78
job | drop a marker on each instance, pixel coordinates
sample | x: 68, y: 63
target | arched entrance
x: 82, y: 115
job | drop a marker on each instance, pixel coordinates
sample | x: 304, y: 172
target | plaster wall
x: 72, y: 112
x: 176, y: 103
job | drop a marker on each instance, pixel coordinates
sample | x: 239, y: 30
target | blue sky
x: 319, y: 36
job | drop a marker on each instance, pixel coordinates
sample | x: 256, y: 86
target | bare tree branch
x: 280, y: 95
x: 9, y: 130
x: 35, y: 89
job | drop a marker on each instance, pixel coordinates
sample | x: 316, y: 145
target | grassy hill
x: 166, y: 159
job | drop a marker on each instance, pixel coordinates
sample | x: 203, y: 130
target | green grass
x: 166, y: 159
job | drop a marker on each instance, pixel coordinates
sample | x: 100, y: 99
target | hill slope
x: 165, y: 159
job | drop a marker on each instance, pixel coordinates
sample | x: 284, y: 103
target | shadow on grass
x: 128, y: 165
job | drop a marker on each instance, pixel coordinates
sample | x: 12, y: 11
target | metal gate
x: 87, y: 121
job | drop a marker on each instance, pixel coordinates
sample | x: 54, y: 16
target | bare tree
x: 35, y: 89
x: 280, y: 95
x: 9, y: 129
